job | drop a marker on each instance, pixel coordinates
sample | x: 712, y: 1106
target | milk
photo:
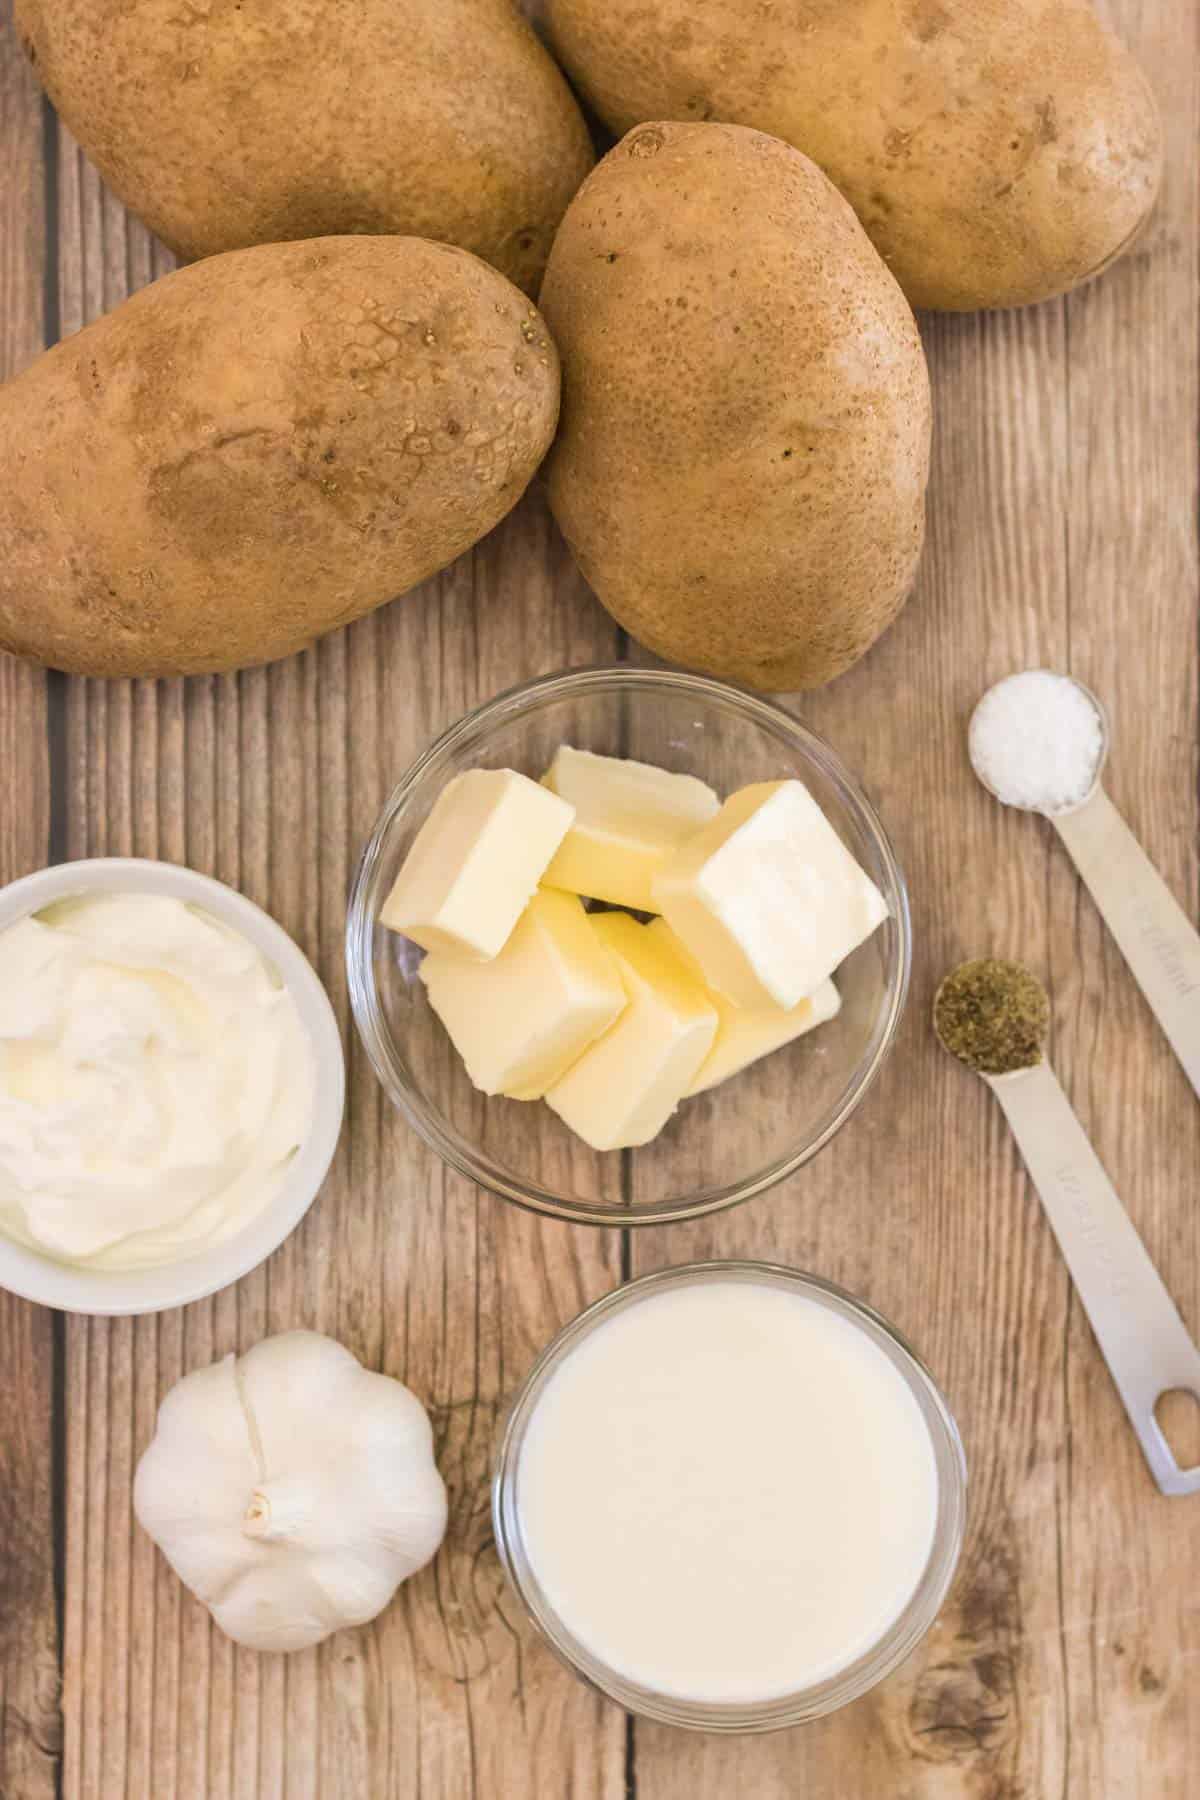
x: 727, y: 1491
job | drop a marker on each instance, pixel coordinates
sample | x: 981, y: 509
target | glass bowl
x: 722, y: 1146
x: 847, y: 1683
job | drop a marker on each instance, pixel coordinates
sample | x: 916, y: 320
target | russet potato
x: 223, y: 123
x: 260, y: 447
x: 744, y: 447
x: 997, y: 151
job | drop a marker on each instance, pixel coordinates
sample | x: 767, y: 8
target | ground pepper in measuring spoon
x: 994, y: 1017
x: 1039, y: 741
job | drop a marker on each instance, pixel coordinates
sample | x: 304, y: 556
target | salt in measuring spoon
x: 1143, y: 1339
x: 1154, y: 934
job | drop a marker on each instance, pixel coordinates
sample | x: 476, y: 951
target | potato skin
x: 261, y: 447
x: 224, y: 123
x: 744, y: 448
x: 997, y: 151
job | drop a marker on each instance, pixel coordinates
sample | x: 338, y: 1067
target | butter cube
x: 767, y: 898
x: 475, y: 863
x: 521, y: 1020
x: 623, y: 1090
x: 745, y: 1034
x: 629, y: 817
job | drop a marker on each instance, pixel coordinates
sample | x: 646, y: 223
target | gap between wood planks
x: 56, y: 852
x: 626, y: 1264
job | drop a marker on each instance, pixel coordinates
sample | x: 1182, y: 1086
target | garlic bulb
x: 291, y: 1489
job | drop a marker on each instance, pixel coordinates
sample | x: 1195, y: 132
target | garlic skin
x: 291, y: 1489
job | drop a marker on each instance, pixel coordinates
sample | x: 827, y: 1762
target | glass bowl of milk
x: 730, y: 1497
x: 722, y: 1146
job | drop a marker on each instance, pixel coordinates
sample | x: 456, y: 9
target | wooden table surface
x: 1063, y: 531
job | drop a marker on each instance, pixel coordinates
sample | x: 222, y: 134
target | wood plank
x: 30, y: 1722
x: 1132, y: 1624
x: 1062, y: 506
x: 922, y: 1164
x: 271, y: 780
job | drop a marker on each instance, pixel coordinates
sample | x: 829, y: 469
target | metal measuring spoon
x: 1144, y: 1341
x: 1153, y: 933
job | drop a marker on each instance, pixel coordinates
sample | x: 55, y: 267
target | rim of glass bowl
x: 857, y: 1677
x: 393, y: 1072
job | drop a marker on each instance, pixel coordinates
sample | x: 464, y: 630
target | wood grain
x: 271, y: 780
x: 30, y: 1724
x: 1062, y: 531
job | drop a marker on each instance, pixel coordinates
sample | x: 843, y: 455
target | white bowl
x: 111, y: 1291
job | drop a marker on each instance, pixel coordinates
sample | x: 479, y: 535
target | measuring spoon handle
x: 1145, y: 1342
x: 1155, y: 935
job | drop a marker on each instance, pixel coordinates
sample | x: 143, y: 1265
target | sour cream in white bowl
x: 172, y: 1086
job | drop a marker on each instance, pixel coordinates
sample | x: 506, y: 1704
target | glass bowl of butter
x: 628, y: 946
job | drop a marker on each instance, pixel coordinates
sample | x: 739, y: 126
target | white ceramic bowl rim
x: 119, y: 1291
